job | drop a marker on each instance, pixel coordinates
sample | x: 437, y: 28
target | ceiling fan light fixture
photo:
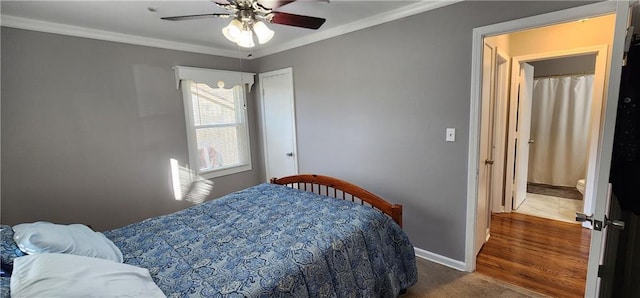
x: 245, y: 39
x: 233, y: 31
x: 263, y: 32
x: 248, y: 17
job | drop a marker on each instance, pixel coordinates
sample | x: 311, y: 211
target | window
x: 217, y: 130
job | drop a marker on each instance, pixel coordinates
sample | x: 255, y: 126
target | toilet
x: 580, y: 186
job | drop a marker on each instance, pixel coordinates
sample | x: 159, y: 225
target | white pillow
x: 62, y: 275
x: 76, y: 239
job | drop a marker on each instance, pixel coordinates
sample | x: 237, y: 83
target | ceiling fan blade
x: 196, y: 16
x: 273, y: 4
x: 284, y: 18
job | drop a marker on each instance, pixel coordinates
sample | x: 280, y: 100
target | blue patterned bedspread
x: 272, y: 241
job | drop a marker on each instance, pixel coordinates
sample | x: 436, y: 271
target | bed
x: 284, y: 238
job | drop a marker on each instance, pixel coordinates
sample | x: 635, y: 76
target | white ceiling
x: 132, y: 22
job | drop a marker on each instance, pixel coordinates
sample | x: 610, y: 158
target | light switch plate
x: 451, y: 135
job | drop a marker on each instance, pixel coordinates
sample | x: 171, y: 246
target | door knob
x: 290, y: 154
x: 618, y: 224
x: 598, y: 225
x: 531, y: 141
x: 488, y: 162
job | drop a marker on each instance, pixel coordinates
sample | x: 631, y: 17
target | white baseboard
x: 442, y: 260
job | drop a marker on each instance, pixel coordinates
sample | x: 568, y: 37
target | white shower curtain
x: 560, y: 129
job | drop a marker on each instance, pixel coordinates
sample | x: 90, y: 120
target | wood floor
x: 546, y: 256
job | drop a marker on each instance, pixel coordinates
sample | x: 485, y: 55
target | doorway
x: 567, y: 108
x: 562, y: 97
x: 616, y: 44
x: 569, y: 124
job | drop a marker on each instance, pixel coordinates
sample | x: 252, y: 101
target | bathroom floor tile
x: 551, y: 207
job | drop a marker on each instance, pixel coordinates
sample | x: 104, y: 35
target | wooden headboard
x: 340, y: 189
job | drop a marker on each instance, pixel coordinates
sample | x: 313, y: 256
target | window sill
x: 225, y: 172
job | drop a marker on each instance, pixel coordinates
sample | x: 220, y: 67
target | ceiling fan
x: 249, y: 17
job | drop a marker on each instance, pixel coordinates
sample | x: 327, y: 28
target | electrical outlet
x: 451, y: 135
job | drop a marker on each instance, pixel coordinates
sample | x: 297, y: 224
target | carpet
x: 554, y: 191
x: 435, y: 280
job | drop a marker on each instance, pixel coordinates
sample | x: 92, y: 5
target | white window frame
x: 185, y: 76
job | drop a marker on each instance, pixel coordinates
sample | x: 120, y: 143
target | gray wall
x: 88, y: 128
x: 372, y: 107
x: 584, y: 64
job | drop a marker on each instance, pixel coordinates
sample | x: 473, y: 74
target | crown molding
x: 57, y: 28
x: 371, y: 21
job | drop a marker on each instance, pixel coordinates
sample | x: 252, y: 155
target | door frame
x: 597, y: 104
x: 263, y: 138
x: 620, y: 8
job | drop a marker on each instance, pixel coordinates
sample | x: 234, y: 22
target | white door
x: 278, y: 123
x: 485, y: 160
x: 603, y: 160
x: 523, y: 130
x: 500, y: 112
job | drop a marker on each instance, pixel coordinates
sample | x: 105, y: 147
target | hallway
x: 546, y: 256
